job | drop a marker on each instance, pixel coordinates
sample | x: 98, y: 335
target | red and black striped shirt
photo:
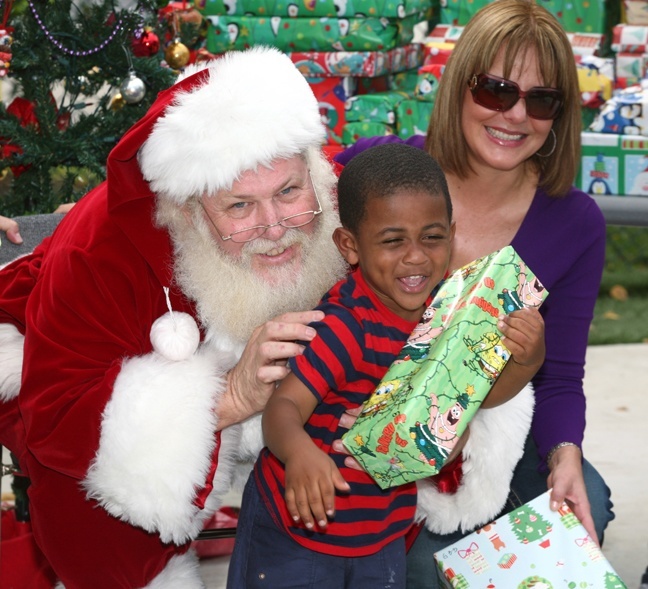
x: 355, y: 345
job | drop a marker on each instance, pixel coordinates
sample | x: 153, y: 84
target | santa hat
x: 253, y: 107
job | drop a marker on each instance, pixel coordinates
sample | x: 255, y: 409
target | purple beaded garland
x: 62, y: 47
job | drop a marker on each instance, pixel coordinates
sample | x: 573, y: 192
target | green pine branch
x: 63, y: 156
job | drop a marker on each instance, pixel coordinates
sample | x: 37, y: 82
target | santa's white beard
x: 231, y: 299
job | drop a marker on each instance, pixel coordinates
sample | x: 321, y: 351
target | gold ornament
x: 176, y: 54
x: 117, y: 102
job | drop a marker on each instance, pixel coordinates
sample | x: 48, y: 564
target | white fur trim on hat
x: 494, y: 447
x: 255, y: 107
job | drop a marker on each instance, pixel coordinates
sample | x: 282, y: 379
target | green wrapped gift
x: 413, y: 117
x: 582, y: 16
x: 317, y: 8
x: 405, y: 81
x: 351, y: 8
x: 351, y: 132
x: 236, y: 7
x: 379, y: 107
x: 421, y: 407
x: 586, y: 16
x: 309, y: 34
x: 459, y: 12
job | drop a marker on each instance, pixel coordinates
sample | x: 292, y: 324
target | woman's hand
x: 263, y: 362
x: 567, y: 484
x: 346, y: 421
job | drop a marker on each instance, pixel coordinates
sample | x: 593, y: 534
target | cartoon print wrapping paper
x: 416, y: 415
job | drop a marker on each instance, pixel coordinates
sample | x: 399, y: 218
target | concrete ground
x: 616, y: 385
x: 616, y: 442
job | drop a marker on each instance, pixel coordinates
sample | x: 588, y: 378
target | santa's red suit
x: 120, y: 442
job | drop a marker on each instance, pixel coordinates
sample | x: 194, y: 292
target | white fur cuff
x: 157, y: 439
x: 495, y: 446
x: 183, y: 570
x: 11, y: 359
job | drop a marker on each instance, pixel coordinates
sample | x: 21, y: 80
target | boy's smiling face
x: 403, y: 248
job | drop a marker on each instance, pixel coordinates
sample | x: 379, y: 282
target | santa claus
x: 147, y: 321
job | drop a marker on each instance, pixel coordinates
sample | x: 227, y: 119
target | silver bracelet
x: 555, y: 449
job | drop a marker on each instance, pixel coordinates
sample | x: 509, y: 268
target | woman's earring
x: 555, y: 142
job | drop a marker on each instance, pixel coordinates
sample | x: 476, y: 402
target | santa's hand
x: 263, y: 363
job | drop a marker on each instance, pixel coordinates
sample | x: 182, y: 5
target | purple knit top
x: 562, y: 240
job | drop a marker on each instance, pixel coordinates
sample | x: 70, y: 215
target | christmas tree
x: 81, y: 74
x: 528, y: 525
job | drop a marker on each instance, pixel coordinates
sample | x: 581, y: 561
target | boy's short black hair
x: 381, y: 171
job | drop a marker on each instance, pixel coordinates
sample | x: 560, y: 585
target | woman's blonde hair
x: 518, y: 26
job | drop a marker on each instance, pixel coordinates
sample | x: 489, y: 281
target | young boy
x: 336, y: 528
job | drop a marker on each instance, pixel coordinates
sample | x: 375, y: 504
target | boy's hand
x: 311, y: 480
x: 523, y: 333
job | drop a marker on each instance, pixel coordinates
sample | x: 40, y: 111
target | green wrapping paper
x: 351, y: 132
x: 352, y: 8
x: 378, y: 108
x: 413, y: 117
x: 576, y: 16
x: 405, y: 81
x: 309, y: 34
x: 420, y: 409
x: 317, y: 8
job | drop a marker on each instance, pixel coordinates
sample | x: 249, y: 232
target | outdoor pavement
x: 616, y: 442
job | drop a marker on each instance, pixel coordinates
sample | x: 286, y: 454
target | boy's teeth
x: 413, y: 280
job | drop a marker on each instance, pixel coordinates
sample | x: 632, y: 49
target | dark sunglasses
x: 501, y: 95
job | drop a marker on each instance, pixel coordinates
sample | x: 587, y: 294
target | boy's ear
x: 345, y: 241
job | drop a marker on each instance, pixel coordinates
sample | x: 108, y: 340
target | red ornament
x: 147, y: 45
x: 6, y: 39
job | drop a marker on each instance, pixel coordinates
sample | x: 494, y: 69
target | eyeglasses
x: 501, y: 95
x: 252, y: 233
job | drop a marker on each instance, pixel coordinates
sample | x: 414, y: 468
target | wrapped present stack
x: 615, y: 145
x: 613, y: 83
x: 577, y: 16
x: 630, y: 45
x: 345, y: 48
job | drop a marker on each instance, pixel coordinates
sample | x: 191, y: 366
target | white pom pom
x: 175, y: 337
